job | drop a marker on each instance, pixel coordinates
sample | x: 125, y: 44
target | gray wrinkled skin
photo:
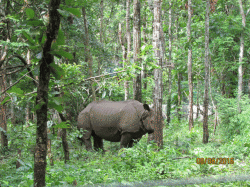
x: 120, y: 121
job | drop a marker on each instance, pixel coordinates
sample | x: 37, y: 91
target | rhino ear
x: 144, y: 115
x: 146, y: 107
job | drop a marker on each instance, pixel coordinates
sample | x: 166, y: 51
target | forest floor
x: 179, y: 161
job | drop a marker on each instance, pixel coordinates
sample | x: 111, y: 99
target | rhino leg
x: 88, y: 144
x: 131, y: 143
x: 125, y: 140
x: 98, y: 143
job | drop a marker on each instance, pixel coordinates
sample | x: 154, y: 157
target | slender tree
x: 5, y: 36
x: 179, y: 77
x: 128, y: 37
x: 206, y: 98
x: 170, y: 62
x: 88, y: 56
x: 189, y: 64
x: 241, y: 55
x: 137, y: 46
x: 101, y: 42
x: 3, y: 124
x: 42, y: 95
x: 124, y: 59
x: 158, y: 134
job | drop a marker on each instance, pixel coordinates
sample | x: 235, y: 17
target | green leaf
x: 37, y: 107
x: 27, y: 36
x: 53, y: 105
x: 16, y: 90
x: 247, y: 145
x: 63, y: 12
x: 30, y: 13
x: 35, y: 23
x: 57, y: 71
x: 68, y: 2
x: 74, y: 11
x: 57, y: 100
x: 62, y: 53
x: 62, y: 125
x: 5, y: 100
x: 60, y: 38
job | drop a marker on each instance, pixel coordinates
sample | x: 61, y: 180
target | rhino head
x: 147, y: 119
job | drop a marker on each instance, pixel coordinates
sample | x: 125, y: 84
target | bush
x: 232, y: 122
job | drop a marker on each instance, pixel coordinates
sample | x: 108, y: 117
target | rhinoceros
x: 121, y: 121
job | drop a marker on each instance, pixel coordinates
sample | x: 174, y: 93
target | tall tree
x: 5, y: 36
x: 88, y: 56
x: 170, y: 62
x: 124, y: 59
x: 137, y: 46
x: 3, y: 122
x: 101, y: 42
x: 42, y: 95
x: 128, y: 37
x: 158, y: 134
x: 189, y: 64
x: 206, y: 98
x: 241, y: 55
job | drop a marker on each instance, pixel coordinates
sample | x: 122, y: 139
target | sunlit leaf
x: 53, y: 105
x: 16, y: 90
x: 57, y: 71
x: 62, y: 53
x: 5, y: 100
x: 62, y: 125
x: 60, y: 38
x: 74, y: 11
x: 27, y: 36
x: 30, y: 13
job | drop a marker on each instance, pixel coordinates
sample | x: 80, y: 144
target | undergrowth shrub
x: 232, y: 122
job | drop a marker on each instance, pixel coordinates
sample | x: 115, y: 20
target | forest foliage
x: 23, y: 34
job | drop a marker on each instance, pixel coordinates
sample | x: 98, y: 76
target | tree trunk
x: 144, y: 39
x: 64, y: 140
x: 190, y: 81
x: 3, y: 122
x: 241, y: 55
x: 124, y: 59
x: 128, y: 37
x: 158, y: 134
x: 19, y: 157
x: 197, y: 100
x: 206, y: 98
x: 88, y: 57
x: 50, y: 155
x: 179, y: 95
x: 27, y: 118
x: 42, y: 95
x: 28, y: 104
x: 170, y: 62
x: 12, y: 109
x: 137, y: 46
x: 179, y: 77
x: 249, y: 88
x: 101, y: 41
x: 5, y: 35
x: 223, y: 86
